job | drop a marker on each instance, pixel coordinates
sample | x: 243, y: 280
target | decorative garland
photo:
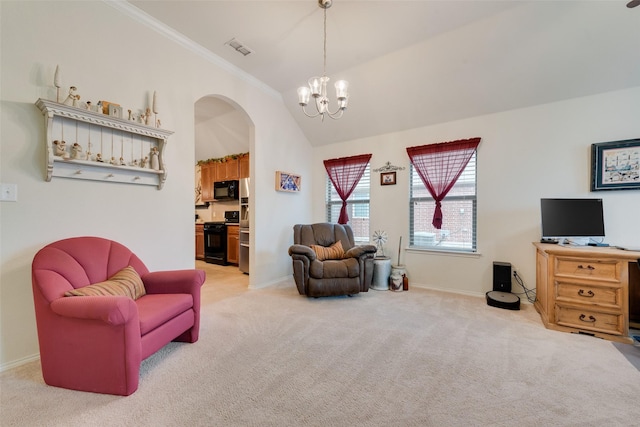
x: 222, y: 159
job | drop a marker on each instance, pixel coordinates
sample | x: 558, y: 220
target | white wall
x: 524, y: 155
x: 111, y: 56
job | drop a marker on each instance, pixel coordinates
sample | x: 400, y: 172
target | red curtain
x: 440, y: 166
x: 345, y: 173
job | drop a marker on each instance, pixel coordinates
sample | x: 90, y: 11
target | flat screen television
x: 571, y: 218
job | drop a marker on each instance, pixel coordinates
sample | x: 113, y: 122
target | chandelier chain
x: 324, y: 48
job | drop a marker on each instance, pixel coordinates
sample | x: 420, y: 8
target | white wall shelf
x: 123, y: 142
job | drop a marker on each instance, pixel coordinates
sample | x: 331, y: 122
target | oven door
x: 215, y: 243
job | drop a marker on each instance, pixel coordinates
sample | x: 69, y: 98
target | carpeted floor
x: 271, y: 357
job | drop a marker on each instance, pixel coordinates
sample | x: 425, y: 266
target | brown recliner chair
x: 351, y: 273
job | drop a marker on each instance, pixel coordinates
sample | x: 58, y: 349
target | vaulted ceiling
x: 421, y: 62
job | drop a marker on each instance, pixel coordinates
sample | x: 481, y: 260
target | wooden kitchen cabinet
x: 586, y: 289
x: 206, y: 181
x: 243, y: 167
x: 233, y: 243
x: 200, y: 241
x: 227, y: 171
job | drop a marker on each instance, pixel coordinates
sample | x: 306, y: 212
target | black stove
x: 215, y: 238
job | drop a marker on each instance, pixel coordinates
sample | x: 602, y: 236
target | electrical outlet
x: 9, y: 192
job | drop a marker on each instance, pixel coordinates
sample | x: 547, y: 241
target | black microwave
x: 225, y: 190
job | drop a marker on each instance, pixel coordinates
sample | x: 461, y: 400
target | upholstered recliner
x: 96, y: 343
x: 347, y: 273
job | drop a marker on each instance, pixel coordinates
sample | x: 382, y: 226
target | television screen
x: 572, y: 218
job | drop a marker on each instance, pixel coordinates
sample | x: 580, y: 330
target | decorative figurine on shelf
x: 122, y: 162
x: 88, y: 157
x: 99, y: 158
x: 72, y: 98
x: 99, y: 107
x: 144, y: 162
x: 130, y: 115
x: 147, y: 117
x: 113, y: 161
x: 134, y: 163
x: 88, y: 105
x: 158, y: 125
x: 155, y: 161
x: 76, y: 151
x: 59, y: 148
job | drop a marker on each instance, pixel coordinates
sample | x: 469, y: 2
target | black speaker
x: 502, y: 276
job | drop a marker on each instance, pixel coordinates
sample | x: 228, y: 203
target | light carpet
x: 271, y: 357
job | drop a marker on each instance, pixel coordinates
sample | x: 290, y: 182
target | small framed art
x: 287, y: 182
x: 387, y: 178
x: 115, y: 110
x: 615, y: 165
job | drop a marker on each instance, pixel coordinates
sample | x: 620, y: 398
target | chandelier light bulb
x: 341, y: 89
x: 304, y: 93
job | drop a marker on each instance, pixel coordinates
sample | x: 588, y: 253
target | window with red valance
x: 345, y: 173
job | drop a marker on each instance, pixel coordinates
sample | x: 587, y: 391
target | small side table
x: 381, y: 272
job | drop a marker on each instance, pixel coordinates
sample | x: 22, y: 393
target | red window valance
x: 439, y: 166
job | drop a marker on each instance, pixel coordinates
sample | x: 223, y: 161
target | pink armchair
x: 96, y: 343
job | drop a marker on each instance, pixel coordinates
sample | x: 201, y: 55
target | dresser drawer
x: 588, y: 268
x: 602, y: 296
x: 590, y: 320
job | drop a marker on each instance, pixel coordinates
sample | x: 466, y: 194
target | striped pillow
x: 334, y: 251
x: 125, y: 282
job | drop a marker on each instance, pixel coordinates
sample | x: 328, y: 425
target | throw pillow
x: 125, y: 282
x: 334, y: 251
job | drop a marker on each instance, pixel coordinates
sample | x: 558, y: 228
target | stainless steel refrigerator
x: 243, y: 261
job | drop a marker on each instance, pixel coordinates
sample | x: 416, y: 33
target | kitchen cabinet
x: 200, y: 241
x: 243, y: 167
x: 233, y: 243
x: 207, y: 176
x: 232, y: 169
x: 586, y: 289
x: 227, y: 171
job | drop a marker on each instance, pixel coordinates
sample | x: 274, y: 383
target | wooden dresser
x: 587, y: 289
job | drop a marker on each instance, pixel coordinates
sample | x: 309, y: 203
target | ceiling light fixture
x: 318, y: 85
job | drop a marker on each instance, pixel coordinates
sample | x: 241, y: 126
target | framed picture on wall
x: 387, y: 178
x: 615, y: 165
x: 288, y: 182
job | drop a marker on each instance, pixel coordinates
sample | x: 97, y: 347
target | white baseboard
x: 19, y: 362
x: 449, y: 290
x: 288, y: 279
x: 461, y: 292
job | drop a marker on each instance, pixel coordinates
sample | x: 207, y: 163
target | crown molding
x: 144, y: 18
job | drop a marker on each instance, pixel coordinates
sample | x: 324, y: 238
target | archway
x: 222, y: 129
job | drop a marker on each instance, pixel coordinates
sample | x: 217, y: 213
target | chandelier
x: 318, y: 85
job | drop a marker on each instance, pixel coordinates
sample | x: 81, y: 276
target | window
x: 357, y: 207
x: 458, y: 232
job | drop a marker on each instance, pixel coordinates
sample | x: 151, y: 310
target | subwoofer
x: 502, y: 276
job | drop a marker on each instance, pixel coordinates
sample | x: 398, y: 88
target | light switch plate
x: 9, y: 192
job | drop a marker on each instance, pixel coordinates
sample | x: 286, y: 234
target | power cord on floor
x: 530, y: 293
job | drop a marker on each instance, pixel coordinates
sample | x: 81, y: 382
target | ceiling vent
x: 238, y: 46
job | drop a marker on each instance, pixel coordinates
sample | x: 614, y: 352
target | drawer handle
x: 588, y: 267
x: 591, y: 319
x: 588, y: 294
